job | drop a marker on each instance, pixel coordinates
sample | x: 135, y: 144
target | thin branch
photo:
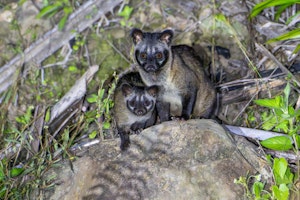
x: 267, y: 53
x: 54, y: 39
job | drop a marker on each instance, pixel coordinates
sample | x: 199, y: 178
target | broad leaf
x: 281, y: 171
x: 257, y: 188
x: 270, y: 103
x: 281, y: 143
x: 281, y: 193
x: 279, y: 167
x: 92, y: 98
x: 106, y: 125
x: 93, y: 134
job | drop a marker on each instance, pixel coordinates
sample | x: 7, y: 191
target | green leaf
x: 269, y: 123
x: 72, y: 68
x: 68, y: 10
x: 21, y: 120
x: 106, y: 125
x: 296, y: 49
x: 16, y: 171
x: 294, y: 34
x: 123, y: 22
x: 281, y: 143
x: 297, y: 138
x: 101, y: 93
x: 49, y: 10
x: 93, y: 134
x: 257, y: 188
x: 2, y: 176
x: 48, y: 115
x: 283, y: 126
x: 92, y: 98
x: 3, y: 191
x: 62, y: 22
x: 269, y: 3
x: 220, y: 17
x: 286, y: 91
x: 279, y: 167
x: 282, y: 172
x: 281, y: 193
x: 126, y: 12
x: 275, y: 103
x: 281, y: 9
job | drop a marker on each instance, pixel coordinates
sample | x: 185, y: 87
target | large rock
x: 195, y: 159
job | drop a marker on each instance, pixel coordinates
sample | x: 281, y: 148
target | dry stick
x: 267, y: 53
x: 74, y: 94
x: 64, y: 62
x: 253, y: 96
x: 63, y: 124
x: 117, y: 50
x: 37, y: 128
x: 54, y: 39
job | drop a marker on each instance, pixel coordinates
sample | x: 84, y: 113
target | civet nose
x: 140, y: 112
x: 150, y: 68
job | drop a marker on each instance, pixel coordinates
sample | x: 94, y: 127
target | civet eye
x: 159, y: 55
x: 131, y: 103
x: 143, y: 55
x: 147, y: 103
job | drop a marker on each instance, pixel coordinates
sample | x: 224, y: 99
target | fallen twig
x: 252, y: 133
x: 54, y: 39
x: 267, y: 53
x: 75, y: 93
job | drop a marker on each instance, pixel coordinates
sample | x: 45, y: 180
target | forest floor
x: 52, y: 100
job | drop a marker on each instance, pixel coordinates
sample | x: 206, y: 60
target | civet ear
x: 153, y: 90
x: 166, y: 36
x: 126, y: 89
x: 137, y: 35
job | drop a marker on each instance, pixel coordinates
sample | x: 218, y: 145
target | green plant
x: 281, y: 6
x: 280, y: 190
x: 257, y: 191
x: 283, y: 177
x: 222, y: 19
x: 104, y: 102
x: 126, y: 13
x: 282, y: 117
x: 79, y: 42
x: 51, y: 8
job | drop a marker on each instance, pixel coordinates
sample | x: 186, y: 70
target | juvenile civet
x: 134, y: 106
x: 185, y: 90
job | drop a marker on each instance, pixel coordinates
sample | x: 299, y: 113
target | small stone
x: 6, y: 16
